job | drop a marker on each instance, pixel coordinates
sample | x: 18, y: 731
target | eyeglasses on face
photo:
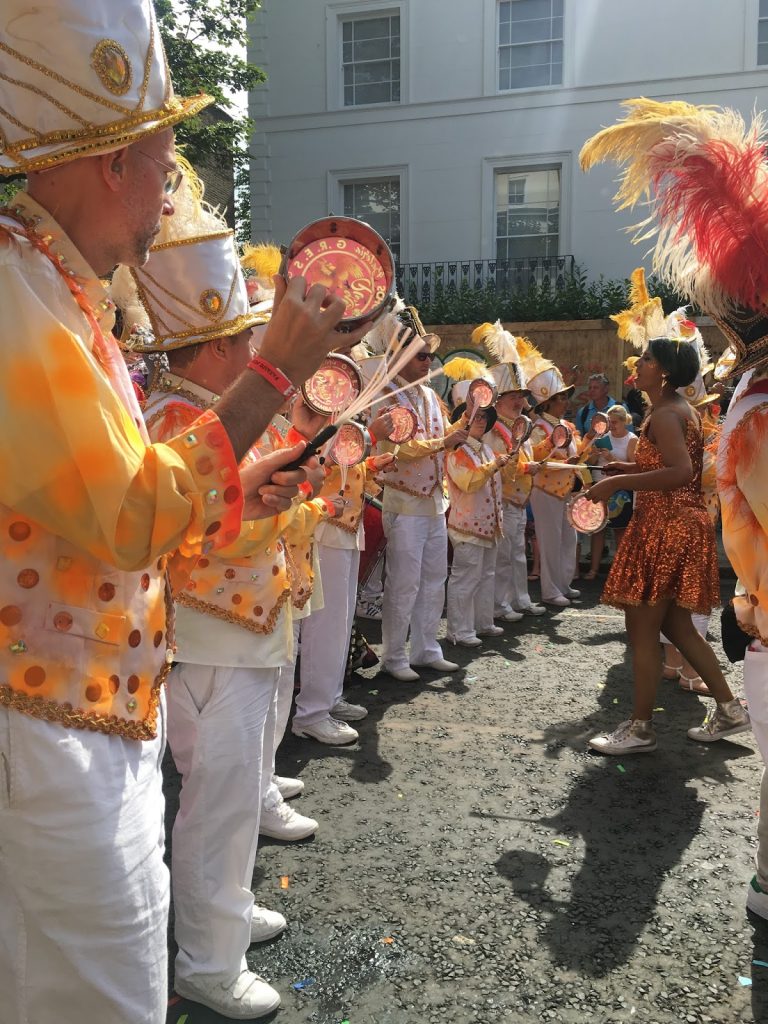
x: 423, y: 357
x: 173, y: 175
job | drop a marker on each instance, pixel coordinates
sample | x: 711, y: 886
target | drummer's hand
x: 602, y: 490
x: 382, y: 426
x: 267, y: 488
x: 383, y: 463
x: 502, y: 460
x: 335, y: 506
x: 614, y: 467
x: 308, y: 423
x: 456, y: 438
x: 532, y: 468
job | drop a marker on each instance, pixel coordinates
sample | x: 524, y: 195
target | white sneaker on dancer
x: 246, y: 998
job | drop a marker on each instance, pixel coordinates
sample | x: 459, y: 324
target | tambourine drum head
x: 334, y: 386
x: 521, y: 429
x: 404, y: 424
x: 561, y: 436
x: 482, y: 393
x: 586, y: 516
x: 600, y: 424
x: 350, y: 446
x: 348, y: 258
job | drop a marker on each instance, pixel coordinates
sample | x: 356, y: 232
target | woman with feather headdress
x: 707, y: 178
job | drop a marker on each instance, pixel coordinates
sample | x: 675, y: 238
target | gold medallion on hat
x: 211, y: 302
x: 110, y: 62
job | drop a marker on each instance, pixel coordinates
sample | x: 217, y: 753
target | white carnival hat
x: 81, y: 78
x: 503, y: 346
x: 192, y: 288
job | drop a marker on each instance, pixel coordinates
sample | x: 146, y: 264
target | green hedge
x: 576, y: 299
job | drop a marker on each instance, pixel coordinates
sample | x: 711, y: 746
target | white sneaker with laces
x: 404, y: 675
x: 287, y: 787
x: 266, y: 924
x: 533, y: 609
x: 507, y: 615
x: 327, y: 730
x: 282, y: 822
x: 492, y: 630
x: 631, y: 737
x: 346, y: 712
x: 246, y: 998
x: 368, y: 610
x: 438, y: 665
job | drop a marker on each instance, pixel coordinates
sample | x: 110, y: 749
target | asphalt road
x: 475, y: 863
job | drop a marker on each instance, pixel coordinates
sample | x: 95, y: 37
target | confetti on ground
x: 464, y: 940
x: 304, y: 983
x: 374, y: 693
x: 539, y: 650
x: 400, y: 796
x: 387, y: 940
x: 744, y: 982
x: 658, y: 709
x: 285, y: 881
x: 621, y: 768
x: 561, y: 842
x: 470, y: 679
x: 183, y: 1020
x: 760, y: 963
x: 615, y: 700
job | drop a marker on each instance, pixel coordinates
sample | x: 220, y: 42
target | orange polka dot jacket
x: 89, y: 509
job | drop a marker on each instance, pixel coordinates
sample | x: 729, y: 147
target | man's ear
x: 219, y: 348
x: 114, y: 167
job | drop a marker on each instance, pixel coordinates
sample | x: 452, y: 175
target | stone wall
x: 589, y: 345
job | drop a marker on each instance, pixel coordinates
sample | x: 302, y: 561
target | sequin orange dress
x: 668, y: 550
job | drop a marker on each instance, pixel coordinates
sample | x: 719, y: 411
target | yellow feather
x: 264, y: 259
x: 479, y: 333
x: 460, y: 368
x: 527, y: 350
x: 638, y: 289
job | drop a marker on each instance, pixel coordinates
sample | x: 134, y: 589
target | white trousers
x: 414, y: 588
x: 701, y: 625
x: 325, y: 636
x: 217, y: 722
x: 756, y: 692
x: 557, y: 544
x: 283, y: 700
x: 470, y: 590
x: 511, y: 566
x: 83, y: 887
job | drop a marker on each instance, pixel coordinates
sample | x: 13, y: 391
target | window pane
x: 346, y: 53
x: 505, y: 35
x: 531, y: 31
x: 373, y: 72
x: 527, y: 213
x: 762, y: 53
x: 533, y: 53
x: 528, y: 10
x: 371, y: 28
x: 378, y: 203
x: 762, y: 31
x: 504, y: 57
x: 557, y: 53
x: 764, y: 8
x: 505, y: 81
x: 346, y: 31
x: 504, y: 12
x: 379, y: 93
x: 557, y: 74
x: 349, y: 75
x: 349, y: 96
x: 395, y: 46
x: 557, y: 28
x: 557, y: 8
x: 371, y: 49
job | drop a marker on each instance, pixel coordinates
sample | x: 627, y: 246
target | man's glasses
x: 173, y: 177
x: 424, y: 357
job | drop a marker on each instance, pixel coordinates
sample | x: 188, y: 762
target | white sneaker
x: 631, y: 737
x: 533, y: 609
x: 507, y: 615
x: 405, y: 675
x: 282, y: 822
x: 471, y: 641
x: 245, y: 998
x: 327, y: 730
x: 572, y: 592
x: 288, y: 787
x: 722, y: 720
x: 368, y: 610
x: 558, y: 602
x: 266, y: 924
x: 492, y: 631
x: 346, y: 712
x: 438, y: 665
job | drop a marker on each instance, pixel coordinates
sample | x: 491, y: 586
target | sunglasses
x: 423, y: 357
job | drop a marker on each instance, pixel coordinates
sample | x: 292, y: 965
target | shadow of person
x: 759, y: 968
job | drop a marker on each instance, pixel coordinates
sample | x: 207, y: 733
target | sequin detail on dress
x: 668, y: 550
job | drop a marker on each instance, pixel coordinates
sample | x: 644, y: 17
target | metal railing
x: 421, y: 282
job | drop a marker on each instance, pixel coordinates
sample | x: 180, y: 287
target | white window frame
x: 517, y: 163
x: 751, y: 21
x: 335, y: 14
x: 338, y: 179
x: 491, y: 52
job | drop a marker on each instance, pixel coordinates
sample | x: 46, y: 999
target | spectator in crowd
x: 599, y: 401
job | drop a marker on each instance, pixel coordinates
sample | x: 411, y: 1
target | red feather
x: 719, y: 199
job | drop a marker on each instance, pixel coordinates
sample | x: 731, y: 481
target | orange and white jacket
x: 556, y: 482
x: 475, y: 514
x: 89, y: 509
x: 516, y: 481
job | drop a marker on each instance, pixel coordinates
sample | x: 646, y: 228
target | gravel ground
x: 475, y: 864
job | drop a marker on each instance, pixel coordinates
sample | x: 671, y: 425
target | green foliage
x: 202, y: 40
x: 576, y: 298
x: 9, y: 188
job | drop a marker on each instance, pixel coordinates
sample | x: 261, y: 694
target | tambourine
x: 584, y: 515
x: 404, y: 424
x: 333, y: 386
x: 600, y: 424
x: 351, y: 446
x: 561, y: 436
x: 482, y: 393
x: 351, y: 260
